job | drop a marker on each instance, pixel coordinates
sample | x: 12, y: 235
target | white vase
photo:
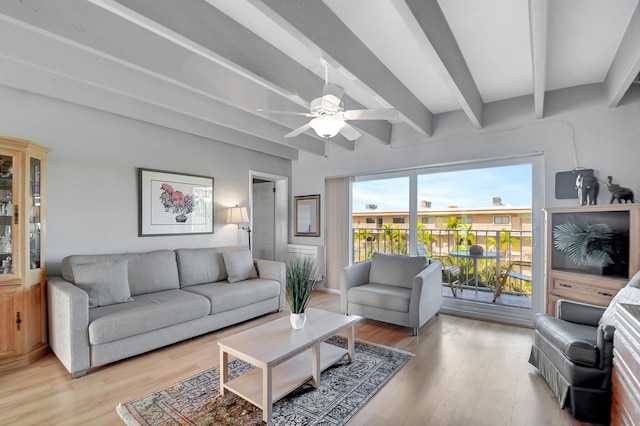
x: 298, y: 320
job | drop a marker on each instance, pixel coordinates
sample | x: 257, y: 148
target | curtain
x: 338, y: 232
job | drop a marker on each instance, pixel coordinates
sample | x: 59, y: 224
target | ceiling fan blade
x: 271, y: 111
x: 371, y: 114
x: 349, y: 132
x: 298, y: 131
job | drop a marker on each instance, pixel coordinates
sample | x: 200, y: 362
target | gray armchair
x: 574, y: 353
x: 401, y: 290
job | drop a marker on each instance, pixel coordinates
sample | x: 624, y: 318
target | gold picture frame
x: 307, y: 215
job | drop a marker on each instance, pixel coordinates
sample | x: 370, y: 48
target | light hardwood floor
x: 465, y: 372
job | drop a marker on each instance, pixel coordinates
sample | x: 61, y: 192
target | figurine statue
x: 588, y: 188
x: 6, y: 265
x: 618, y: 192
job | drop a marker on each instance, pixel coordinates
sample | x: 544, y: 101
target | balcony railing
x: 515, y: 247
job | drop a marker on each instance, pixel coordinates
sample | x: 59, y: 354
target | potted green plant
x: 301, y: 272
x: 586, y: 244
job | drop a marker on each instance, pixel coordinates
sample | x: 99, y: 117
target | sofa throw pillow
x: 627, y: 294
x: 106, y: 283
x: 239, y: 265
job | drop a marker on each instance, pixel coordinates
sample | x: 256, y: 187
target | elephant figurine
x: 588, y: 188
x: 618, y: 192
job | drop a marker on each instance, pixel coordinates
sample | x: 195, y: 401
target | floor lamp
x: 239, y: 215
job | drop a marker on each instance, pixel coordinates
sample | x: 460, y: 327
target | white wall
x: 592, y: 136
x: 578, y: 130
x: 92, y: 201
x: 92, y: 187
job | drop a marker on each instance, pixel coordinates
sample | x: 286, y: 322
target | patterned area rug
x: 344, y: 389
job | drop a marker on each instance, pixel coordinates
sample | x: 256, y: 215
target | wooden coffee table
x: 286, y: 358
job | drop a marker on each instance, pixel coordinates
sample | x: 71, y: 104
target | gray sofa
x: 106, y: 308
x: 401, y: 290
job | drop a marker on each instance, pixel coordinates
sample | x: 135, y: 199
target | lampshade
x: 238, y: 215
x: 327, y: 126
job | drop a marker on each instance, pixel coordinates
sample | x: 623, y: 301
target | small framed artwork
x: 174, y: 203
x: 307, y: 216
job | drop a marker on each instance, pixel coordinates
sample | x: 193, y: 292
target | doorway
x: 264, y: 205
x: 269, y: 215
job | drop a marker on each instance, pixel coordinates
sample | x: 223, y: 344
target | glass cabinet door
x: 6, y: 213
x: 34, y: 214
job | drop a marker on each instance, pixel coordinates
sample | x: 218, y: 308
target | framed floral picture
x: 174, y: 203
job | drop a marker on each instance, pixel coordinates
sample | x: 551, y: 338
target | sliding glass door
x: 380, y: 217
x: 488, y: 209
x: 443, y: 212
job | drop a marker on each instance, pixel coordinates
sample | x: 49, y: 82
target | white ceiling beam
x: 314, y: 23
x: 67, y: 62
x: 106, y: 56
x: 221, y: 40
x: 626, y: 63
x: 29, y: 78
x: 430, y: 27
x: 538, y: 19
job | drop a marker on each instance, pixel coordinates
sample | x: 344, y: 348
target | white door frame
x: 281, y: 225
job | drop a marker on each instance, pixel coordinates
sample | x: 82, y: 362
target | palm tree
x: 507, y: 242
x: 364, y: 235
x: 389, y: 236
x: 426, y: 237
x: 400, y: 239
x: 388, y: 231
x: 468, y: 238
x: 585, y: 243
x: 453, y: 223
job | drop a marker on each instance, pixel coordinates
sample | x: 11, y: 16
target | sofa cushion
x: 387, y: 297
x: 200, y: 266
x: 627, y: 294
x: 239, y: 264
x: 224, y: 296
x: 106, y: 283
x: 148, y: 312
x: 148, y: 272
x: 576, y: 341
x: 396, y: 270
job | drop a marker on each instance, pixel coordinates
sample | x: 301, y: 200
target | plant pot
x: 476, y: 250
x: 298, y: 320
x: 181, y: 218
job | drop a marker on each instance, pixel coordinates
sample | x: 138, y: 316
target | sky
x: 464, y: 189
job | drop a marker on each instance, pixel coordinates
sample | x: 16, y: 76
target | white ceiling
x: 206, y: 66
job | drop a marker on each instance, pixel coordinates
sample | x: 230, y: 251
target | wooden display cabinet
x: 23, y: 311
x: 567, y: 280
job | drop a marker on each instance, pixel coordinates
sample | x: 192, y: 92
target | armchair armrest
x: 579, y: 313
x: 426, y: 294
x: 604, y: 343
x: 272, y: 270
x: 352, y: 276
x: 69, y: 324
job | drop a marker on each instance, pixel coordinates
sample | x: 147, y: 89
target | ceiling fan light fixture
x: 327, y: 126
x: 330, y: 103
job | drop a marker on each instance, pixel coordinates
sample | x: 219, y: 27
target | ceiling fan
x: 329, y: 116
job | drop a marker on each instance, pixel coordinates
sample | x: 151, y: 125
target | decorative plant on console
x: 301, y: 271
x: 586, y: 244
x: 176, y: 202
